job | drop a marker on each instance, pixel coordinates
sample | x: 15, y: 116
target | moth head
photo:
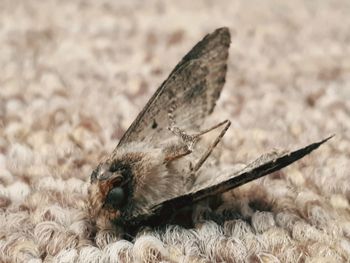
x: 110, y: 188
x: 129, y: 183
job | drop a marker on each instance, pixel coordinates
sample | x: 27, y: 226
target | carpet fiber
x: 74, y: 74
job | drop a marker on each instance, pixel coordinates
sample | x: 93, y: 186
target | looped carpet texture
x: 74, y: 74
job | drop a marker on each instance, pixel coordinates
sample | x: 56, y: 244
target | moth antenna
x: 171, y: 115
x: 189, y: 140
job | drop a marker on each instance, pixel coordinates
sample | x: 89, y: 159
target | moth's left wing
x: 259, y: 168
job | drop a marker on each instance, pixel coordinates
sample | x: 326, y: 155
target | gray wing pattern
x: 192, y: 87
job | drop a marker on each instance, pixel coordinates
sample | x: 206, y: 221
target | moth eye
x: 115, y: 198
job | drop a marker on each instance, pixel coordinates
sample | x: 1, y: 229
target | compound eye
x: 115, y: 198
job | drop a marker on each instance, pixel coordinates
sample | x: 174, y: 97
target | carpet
x: 74, y: 75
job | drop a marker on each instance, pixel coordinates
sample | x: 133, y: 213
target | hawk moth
x: 154, y: 171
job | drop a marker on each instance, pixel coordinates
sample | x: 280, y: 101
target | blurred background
x: 78, y: 72
x: 74, y: 75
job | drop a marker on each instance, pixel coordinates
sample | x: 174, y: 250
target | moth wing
x: 262, y: 166
x: 192, y: 88
x: 259, y: 168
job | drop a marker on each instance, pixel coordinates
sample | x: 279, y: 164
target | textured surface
x: 74, y: 74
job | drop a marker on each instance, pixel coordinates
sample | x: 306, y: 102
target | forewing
x: 192, y: 88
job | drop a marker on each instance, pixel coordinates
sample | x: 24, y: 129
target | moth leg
x: 227, y: 122
x: 191, y: 140
x: 175, y: 152
x: 204, y: 157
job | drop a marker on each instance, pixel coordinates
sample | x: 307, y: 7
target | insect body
x: 154, y: 170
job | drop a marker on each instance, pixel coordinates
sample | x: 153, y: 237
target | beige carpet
x: 74, y: 74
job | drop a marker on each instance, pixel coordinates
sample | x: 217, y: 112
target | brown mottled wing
x: 192, y: 87
x: 164, y: 211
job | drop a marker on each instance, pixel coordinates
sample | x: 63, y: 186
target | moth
x: 155, y: 170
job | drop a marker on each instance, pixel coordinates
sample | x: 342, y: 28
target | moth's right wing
x: 192, y: 88
x: 259, y: 168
